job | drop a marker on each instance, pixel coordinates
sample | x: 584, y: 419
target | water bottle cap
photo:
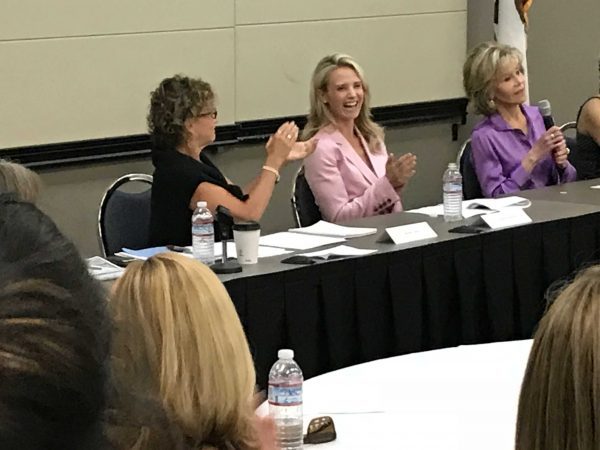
x: 201, y: 204
x: 452, y: 165
x: 285, y: 353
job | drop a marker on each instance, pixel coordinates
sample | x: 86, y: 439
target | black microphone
x: 546, y: 111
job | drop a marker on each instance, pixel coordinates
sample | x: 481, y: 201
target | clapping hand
x: 301, y: 150
x: 400, y: 170
x: 280, y: 144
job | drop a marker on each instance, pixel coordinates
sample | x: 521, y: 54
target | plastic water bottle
x: 285, y: 400
x: 453, y: 193
x: 203, y: 234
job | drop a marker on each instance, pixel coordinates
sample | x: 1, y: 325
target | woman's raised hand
x: 400, y: 170
x: 280, y: 145
x: 301, y: 150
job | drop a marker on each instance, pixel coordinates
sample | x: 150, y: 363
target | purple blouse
x: 498, y: 149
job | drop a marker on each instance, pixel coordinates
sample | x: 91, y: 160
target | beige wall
x: 82, y: 69
x: 564, y: 44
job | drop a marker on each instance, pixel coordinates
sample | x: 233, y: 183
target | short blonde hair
x: 480, y: 71
x: 559, y: 406
x: 18, y: 179
x: 319, y: 115
x: 178, y: 338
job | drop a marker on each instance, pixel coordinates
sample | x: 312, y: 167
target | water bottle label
x: 452, y: 187
x: 285, y: 395
x: 203, y: 229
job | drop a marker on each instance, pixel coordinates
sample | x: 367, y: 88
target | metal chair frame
x: 131, y: 177
x: 295, y: 214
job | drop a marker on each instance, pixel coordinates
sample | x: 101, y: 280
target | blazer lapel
x: 351, y: 155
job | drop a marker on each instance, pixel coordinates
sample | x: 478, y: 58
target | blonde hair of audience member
x: 560, y: 403
x: 479, y: 73
x: 18, y: 179
x: 179, y: 337
x: 320, y: 116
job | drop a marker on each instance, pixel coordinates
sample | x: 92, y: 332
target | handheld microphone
x: 546, y: 111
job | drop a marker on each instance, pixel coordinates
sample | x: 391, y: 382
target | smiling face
x: 510, y: 83
x: 344, y: 94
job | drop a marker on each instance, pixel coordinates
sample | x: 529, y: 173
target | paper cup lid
x: 246, y: 226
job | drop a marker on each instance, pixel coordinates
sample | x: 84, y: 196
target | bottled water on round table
x: 453, y: 193
x: 203, y: 234
x: 285, y: 400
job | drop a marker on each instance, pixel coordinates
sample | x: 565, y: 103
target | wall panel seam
x: 341, y: 19
x: 135, y: 33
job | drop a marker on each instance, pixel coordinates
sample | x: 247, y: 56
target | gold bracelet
x: 273, y: 171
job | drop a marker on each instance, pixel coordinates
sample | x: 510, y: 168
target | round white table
x: 462, y: 398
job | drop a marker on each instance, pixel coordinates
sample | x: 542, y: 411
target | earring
x: 492, y: 103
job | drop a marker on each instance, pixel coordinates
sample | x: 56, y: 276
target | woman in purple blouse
x: 511, y: 148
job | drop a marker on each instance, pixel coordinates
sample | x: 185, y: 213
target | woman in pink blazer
x: 350, y: 173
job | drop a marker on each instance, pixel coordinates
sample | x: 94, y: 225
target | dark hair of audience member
x: 54, y: 337
x: 559, y: 403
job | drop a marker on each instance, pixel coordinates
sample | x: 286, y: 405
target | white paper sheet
x: 470, y: 207
x: 263, y: 252
x: 101, y: 269
x: 341, y: 250
x: 323, y: 228
x: 297, y: 241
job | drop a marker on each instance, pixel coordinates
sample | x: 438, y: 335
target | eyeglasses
x: 320, y: 430
x: 211, y: 114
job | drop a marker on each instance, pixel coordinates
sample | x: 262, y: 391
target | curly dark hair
x: 175, y: 100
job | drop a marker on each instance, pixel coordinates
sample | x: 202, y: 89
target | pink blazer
x: 344, y: 186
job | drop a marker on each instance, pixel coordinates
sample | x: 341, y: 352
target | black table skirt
x: 483, y: 288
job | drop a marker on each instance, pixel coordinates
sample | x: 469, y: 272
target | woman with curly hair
x: 182, y: 122
x: 179, y: 339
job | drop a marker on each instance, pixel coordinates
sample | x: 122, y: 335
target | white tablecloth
x: 462, y: 398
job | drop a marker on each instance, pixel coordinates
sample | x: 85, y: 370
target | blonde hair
x: 18, y: 179
x: 480, y: 71
x: 320, y: 116
x: 559, y: 405
x: 179, y: 339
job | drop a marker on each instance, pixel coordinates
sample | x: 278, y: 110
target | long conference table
x: 453, y: 290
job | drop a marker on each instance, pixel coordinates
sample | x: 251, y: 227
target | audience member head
x: 18, y: 179
x: 178, y: 338
x: 560, y: 403
x: 174, y: 102
x: 320, y: 113
x: 481, y: 70
x: 53, y: 337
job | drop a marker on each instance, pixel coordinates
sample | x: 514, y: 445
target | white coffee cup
x: 245, y: 235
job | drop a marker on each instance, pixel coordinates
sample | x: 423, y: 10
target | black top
x: 587, y: 156
x: 176, y: 177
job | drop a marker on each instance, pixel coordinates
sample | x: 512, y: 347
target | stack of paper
x: 477, y: 206
x: 297, y: 241
x: 143, y: 253
x: 323, y: 228
x: 101, y: 269
x: 263, y: 252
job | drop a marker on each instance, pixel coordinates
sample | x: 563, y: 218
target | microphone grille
x: 545, y: 108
